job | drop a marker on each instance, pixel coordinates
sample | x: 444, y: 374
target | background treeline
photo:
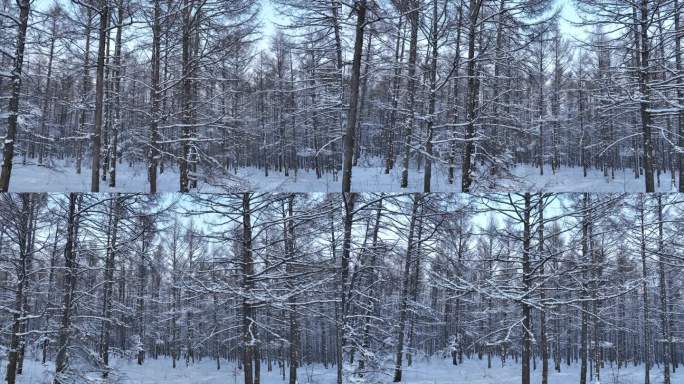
x: 471, y: 87
x: 364, y: 284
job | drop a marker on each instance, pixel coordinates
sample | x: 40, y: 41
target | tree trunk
x: 645, y: 99
x: 23, y: 266
x: 353, y: 97
x: 362, y: 100
x: 414, y: 20
x: 542, y: 295
x: 454, y: 106
x: 644, y: 287
x: 10, y: 137
x: 99, y: 97
x: 70, y: 279
x: 527, y: 285
x: 156, y: 93
x: 372, y: 308
x: 114, y: 214
x: 396, y: 83
x: 44, y: 134
x: 349, y: 202
x: 248, y: 323
x: 586, y: 220
x: 292, y: 302
x: 187, y: 81
x: 664, y: 314
x: 116, y: 126
x: 403, y: 308
x: 434, y: 48
x: 680, y: 90
x: 85, y: 89
x: 471, y: 102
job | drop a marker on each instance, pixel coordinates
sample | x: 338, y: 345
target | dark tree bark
x: 414, y: 20
x: 349, y: 200
x: 187, y: 85
x: 156, y: 94
x: 645, y: 90
x: 403, y: 308
x: 11, y: 136
x: 527, y: 285
x: 292, y: 300
x: 352, y: 117
x: 664, y: 313
x: 644, y: 287
x: 248, y: 313
x: 472, y: 96
x: 544, y: 344
x: 85, y: 89
x: 107, y: 300
x: 434, y: 52
x: 99, y: 97
x: 584, y: 347
x: 70, y: 279
x: 680, y: 89
x: 44, y: 133
x: 24, y: 233
x: 116, y: 126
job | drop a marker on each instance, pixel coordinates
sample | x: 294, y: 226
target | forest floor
x: 368, y: 177
x: 436, y: 371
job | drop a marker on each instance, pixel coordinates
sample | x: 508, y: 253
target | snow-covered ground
x: 368, y: 178
x: 436, y: 371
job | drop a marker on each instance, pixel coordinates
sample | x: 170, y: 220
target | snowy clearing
x: 435, y: 371
x: 61, y: 178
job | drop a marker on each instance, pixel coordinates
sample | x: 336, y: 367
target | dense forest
x: 462, y: 92
x: 364, y: 285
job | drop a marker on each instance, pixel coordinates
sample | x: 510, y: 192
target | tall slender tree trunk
x: 680, y: 89
x: 85, y: 89
x: 434, y: 50
x: 544, y: 344
x: 11, y: 136
x: 362, y: 100
x: 70, y: 279
x: 142, y: 282
x: 454, y: 107
x: 644, y: 287
x: 116, y: 126
x: 184, y: 165
x: 114, y: 214
x: 349, y: 200
x: 99, y: 98
x: 540, y: 106
x: 44, y: 132
x: 471, y: 101
x: 645, y: 97
x: 352, y: 117
x: 372, y: 307
x: 292, y: 299
x: 396, y: 85
x: 413, y: 292
x: 414, y: 20
x: 339, y: 66
x: 527, y: 285
x: 403, y: 306
x: 23, y: 267
x: 153, y: 154
x: 248, y: 321
x: 664, y: 313
x: 586, y: 220
x: 51, y: 279
x: 29, y: 228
